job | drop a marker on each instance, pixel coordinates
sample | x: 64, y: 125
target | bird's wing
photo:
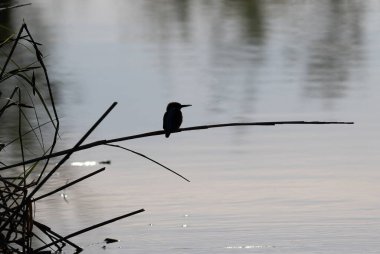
x: 166, y: 124
x: 165, y: 121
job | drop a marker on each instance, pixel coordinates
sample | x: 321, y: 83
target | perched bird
x: 173, y: 117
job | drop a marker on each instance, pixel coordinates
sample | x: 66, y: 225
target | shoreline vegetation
x: 27, y: 103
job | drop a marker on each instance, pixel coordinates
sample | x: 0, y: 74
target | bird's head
x: 176, y: 105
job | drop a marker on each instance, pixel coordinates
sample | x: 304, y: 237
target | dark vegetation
x: 26, y: 100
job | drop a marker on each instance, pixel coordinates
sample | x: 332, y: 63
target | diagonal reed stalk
x: 68, y: 185
x: 89, y: 228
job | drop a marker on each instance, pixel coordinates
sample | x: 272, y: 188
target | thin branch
x: 88, y: 229
x: 9, y: 101
x: 40, y: 60
x: 11, y: 52
x: 13, y: 6
x: 146, y: 157
x: 69, y: 184
x: 20, y: 135
x: 161, y: 132
x: 25, y: 133
x: 45, y: 229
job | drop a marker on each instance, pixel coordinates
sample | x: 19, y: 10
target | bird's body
x: 173, y: 117
x: 172, y: 121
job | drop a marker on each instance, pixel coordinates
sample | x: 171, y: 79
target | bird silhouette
x: 173, y: 117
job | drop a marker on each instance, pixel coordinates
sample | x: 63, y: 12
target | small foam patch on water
x: 84, y: 163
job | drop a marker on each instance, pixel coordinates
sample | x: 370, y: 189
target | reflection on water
x: 337, y: 50
x: 286, y: 189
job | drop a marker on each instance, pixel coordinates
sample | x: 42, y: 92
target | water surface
x: 283, y: 189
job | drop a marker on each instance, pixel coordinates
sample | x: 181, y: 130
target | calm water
x: 286, y: 189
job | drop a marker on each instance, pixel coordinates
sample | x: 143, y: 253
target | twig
x: 25, y: 133
x: 69, y: 184
x: 89, y: 228
x: 146, y: 157
x: 39, y: 58
x: 45, y: 229
x: 13, y: 6
x: 20, y: 135
x: 161, y: 132
x: 11, y: 52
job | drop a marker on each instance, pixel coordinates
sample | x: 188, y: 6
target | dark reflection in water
x: 237, y: 39
x: 236, y: 42
x: 5, y: 20
x: 166, y: 15
x: 249, y: 15
x: 336, y: 51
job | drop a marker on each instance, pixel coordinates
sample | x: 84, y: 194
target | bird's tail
x: 167, y: 134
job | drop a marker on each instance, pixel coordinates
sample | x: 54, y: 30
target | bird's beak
x: 187, y: 105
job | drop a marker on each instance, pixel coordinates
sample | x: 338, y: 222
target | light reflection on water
x: 288, y: 189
